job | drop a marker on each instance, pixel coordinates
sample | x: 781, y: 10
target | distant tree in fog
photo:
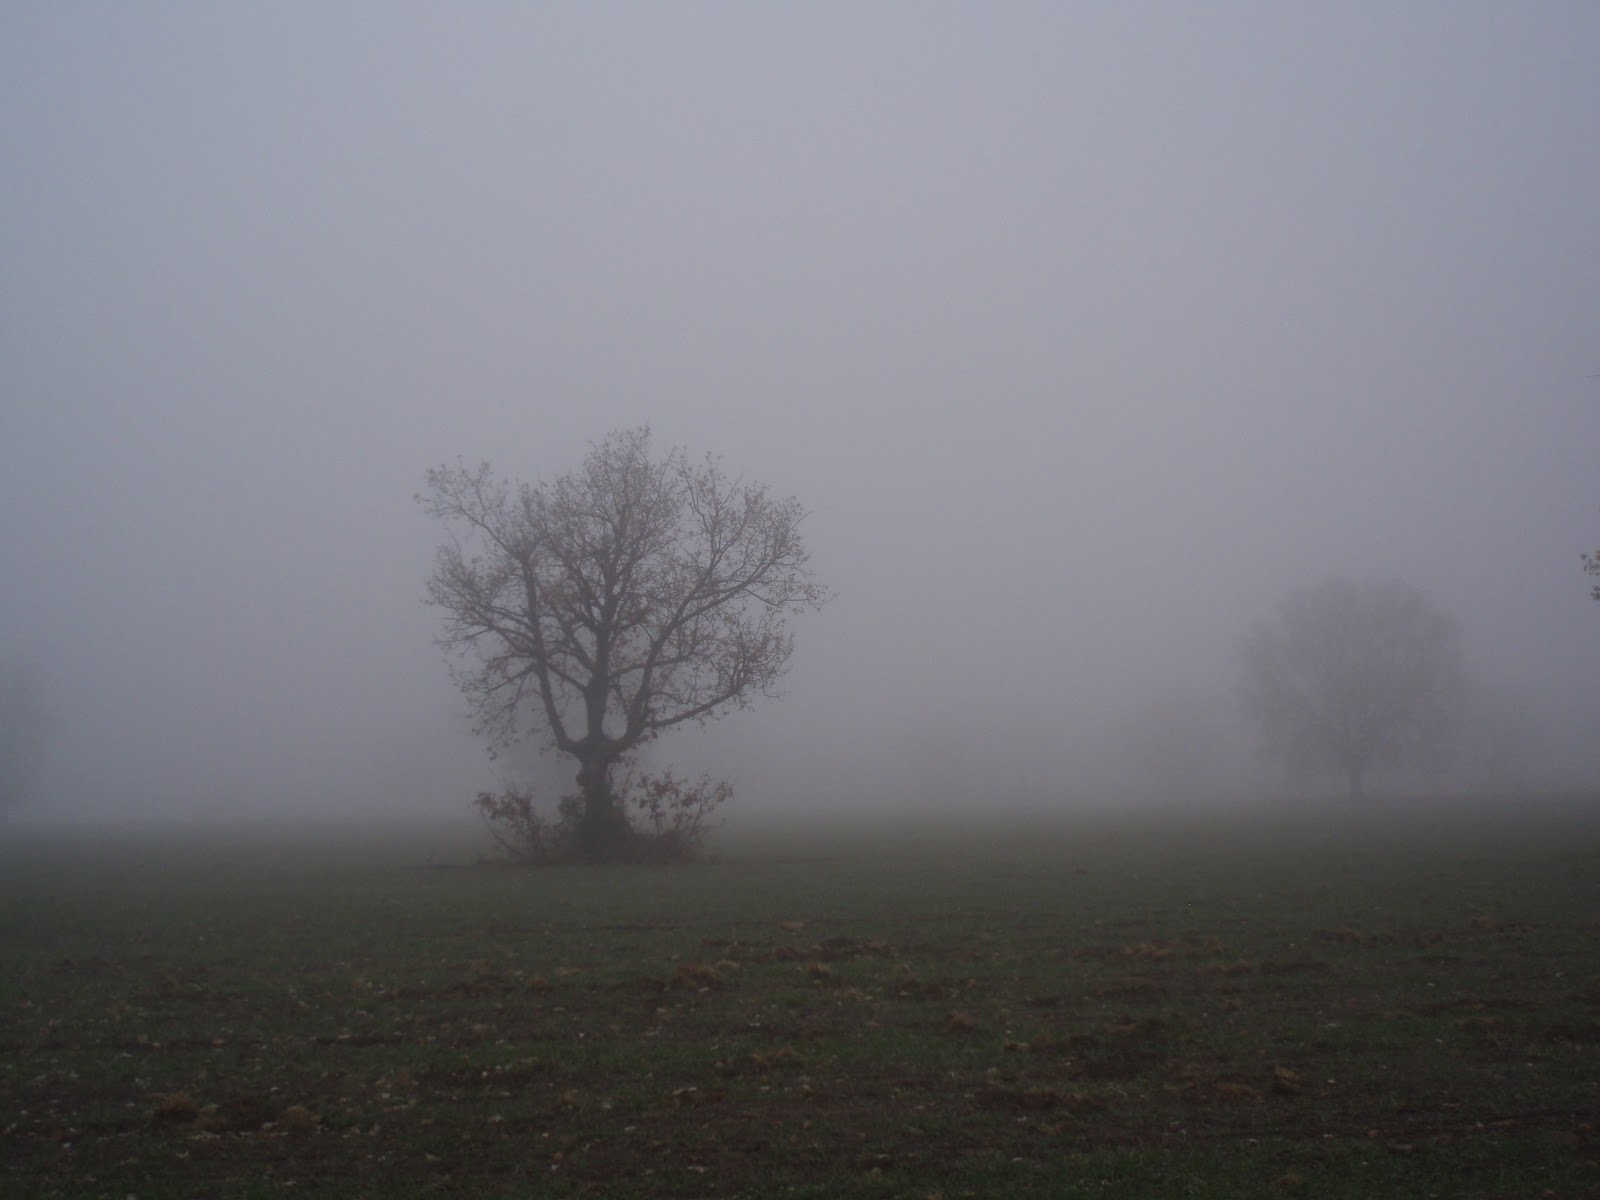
x: 1591, y: 564
x: 632, y: 595
x: 1352, y: 676
x: 25, y: 728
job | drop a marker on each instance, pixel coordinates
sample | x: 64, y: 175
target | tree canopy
x: 1352, y: 676
x: 634, y: 594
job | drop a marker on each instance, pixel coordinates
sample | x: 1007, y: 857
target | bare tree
x: 25, y: 729
x: 632, y: 595
x: 1353, y: 676
x: 1591, y: 564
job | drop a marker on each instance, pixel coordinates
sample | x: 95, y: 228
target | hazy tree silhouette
x: 634, y: 594
x: 1352, y: 676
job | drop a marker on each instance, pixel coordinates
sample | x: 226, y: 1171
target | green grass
x: 1396, y: 1001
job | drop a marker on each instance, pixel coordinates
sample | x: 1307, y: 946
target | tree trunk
x: 603, y: 826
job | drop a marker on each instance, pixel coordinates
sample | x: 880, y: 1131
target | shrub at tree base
x: 673, y: 817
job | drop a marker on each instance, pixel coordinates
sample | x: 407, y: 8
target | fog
x: 1084, y: 332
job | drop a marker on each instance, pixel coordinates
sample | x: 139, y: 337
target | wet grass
x: 1397, y: 1002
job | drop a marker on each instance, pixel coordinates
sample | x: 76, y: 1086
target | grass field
x: 1390, y: 1002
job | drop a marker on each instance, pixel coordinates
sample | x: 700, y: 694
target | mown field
x: 1384, y: 1002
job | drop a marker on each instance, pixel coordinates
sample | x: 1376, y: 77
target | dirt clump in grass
x: 1137, y: 1028
x: 479, y: 978
x: 1242, y: 966
x: 297, y: 1118
x: 697, y: 975
x: 398, y: 1080
x: 1040, y: 1099
x: 1573, y: 1034
x: 837, y: 949
x: 960, y: 1023
x: 1343, y: 936
x: 908, y: 986
x: 783, y: 1056
x: 1122, y: 1050
x: 175, y: 1108
x: 1285, y: 1082
x: 693, y: 1097
x: 1152, y: 951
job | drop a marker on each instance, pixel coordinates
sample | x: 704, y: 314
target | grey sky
x: 1085, y: 331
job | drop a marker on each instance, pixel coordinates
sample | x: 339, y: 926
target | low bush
x: 669, y: 818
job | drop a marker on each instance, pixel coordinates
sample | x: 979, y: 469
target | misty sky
x: 1083, y: 331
